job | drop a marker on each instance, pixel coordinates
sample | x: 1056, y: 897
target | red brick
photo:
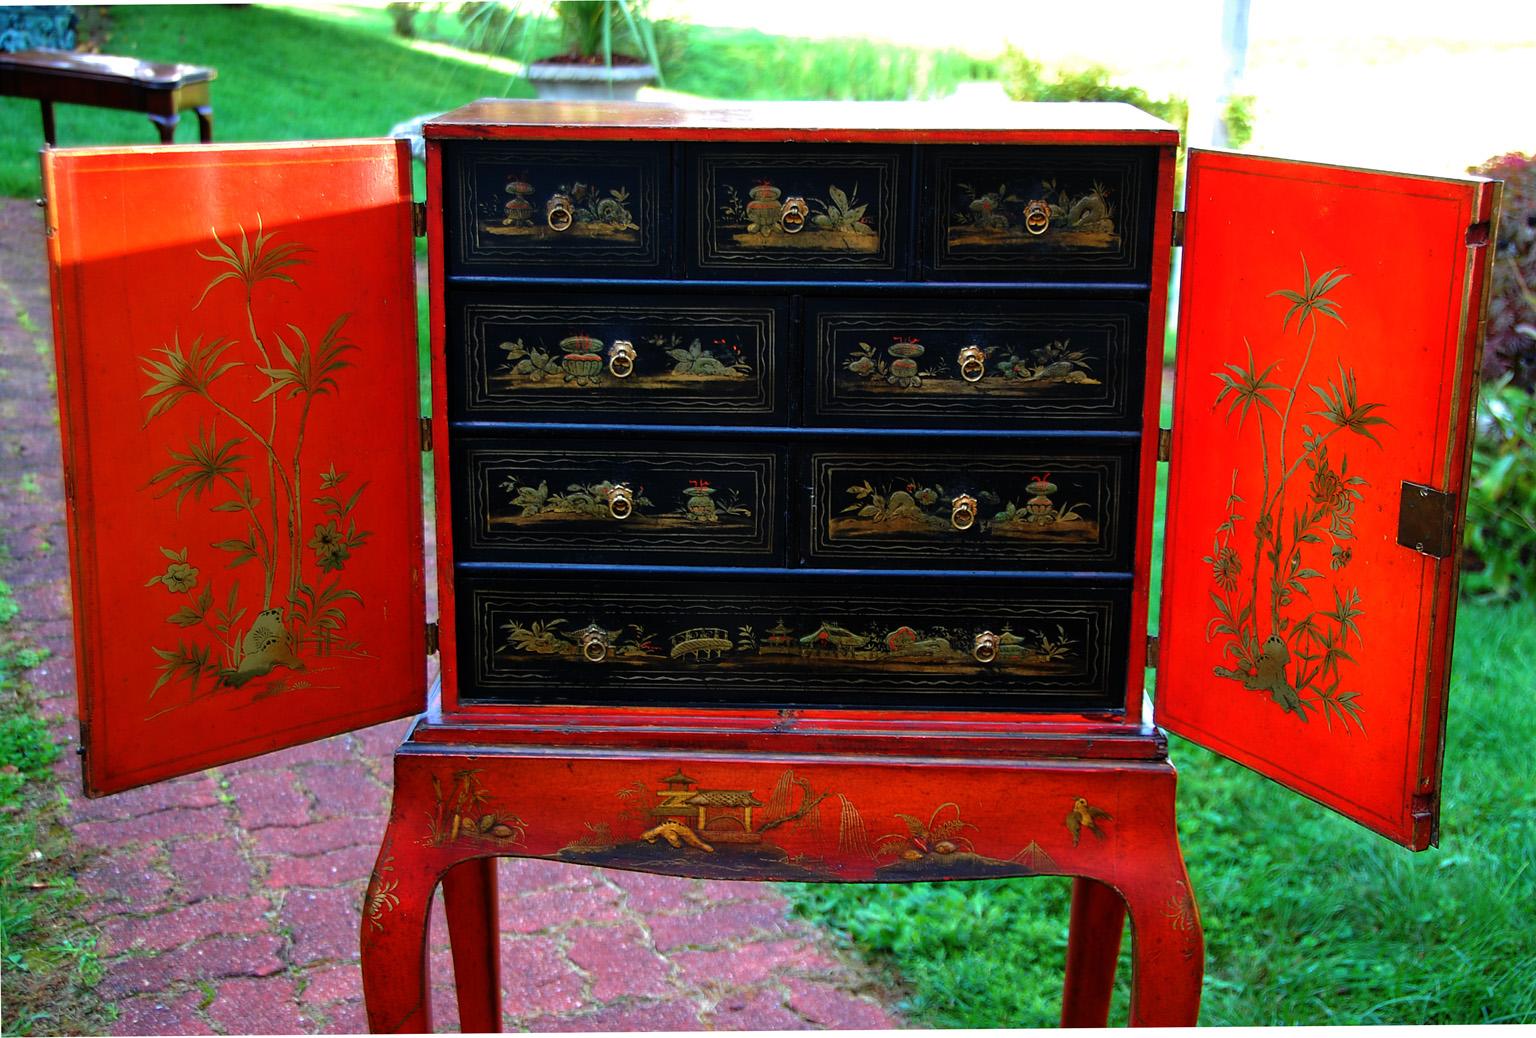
x: 154, y: 1015
x: 537, y: 979
x: 714, y: 891
x: 829, y: 1007
x: 620, y: 961
x: 322, y: 752
x: 649, y: 894
x: 210, y: 869
x: 718, y: 924
x: 265, y: 798
x: 173, y: 929
x: 377, y: 744
x: 528, y: 874
x: 445, y: 999
x: 162, y: 825
x: 759, y: 1011
x: 255, y: 956
x: 130, y: 876
x: 348, y: 865
x: 251, y: 1005
x: 552, y: 909
x: 344, y: 791
x: 190, y: 791
x: 334, y: 983
x: 746, y: 964
x: 324, y: 923
x: 677, y: 1015
x: 316, y: 838
x: 345, y: 1018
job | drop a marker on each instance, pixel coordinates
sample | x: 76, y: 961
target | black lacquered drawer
x: 1038, y: 213
x: 600, y: 638
x: 975, y: 362
x: 824, y: 212
x: 550, y: 208
x: 980, y: 503
x: 550, y: 356
x: 592, y: 499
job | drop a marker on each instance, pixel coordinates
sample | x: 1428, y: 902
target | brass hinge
x: 419, y: 219
x: 1178, y: 228
x: 426, y: 435
x: 1152, y: 651
x: 1426, y: 520
x: 432, y: 638
x: 1164, y: 444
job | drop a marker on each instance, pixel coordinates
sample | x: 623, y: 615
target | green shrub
x: 1511, y: 305
x: 1501, y: 506
x: 1026, y: 80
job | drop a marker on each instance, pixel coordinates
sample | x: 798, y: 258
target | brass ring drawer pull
x: 621, y: 358
x: 621, y: 501
x: 793, y: 214
x: 962, y: 512
x: 558, y: 214
x: 973, y: 363
x: 594, y: 644
x: 1037, y: 216
x: 984, y: 649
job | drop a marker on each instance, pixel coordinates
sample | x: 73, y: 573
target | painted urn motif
x: 763, y: 210
x: 701, y: 502
x: 583, y: 361
x: 519, y: 211
x: 1039, y: 507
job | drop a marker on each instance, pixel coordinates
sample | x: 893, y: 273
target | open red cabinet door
x: 235, y: 330
x: 1329, y: 336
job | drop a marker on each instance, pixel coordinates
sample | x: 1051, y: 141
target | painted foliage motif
x: 925, y: 507
x: 662, y: 362
x: 563, y: 209
x: 830, y: 219
x: 1017, y: 370
x: 1033, y: 212
x: 270, y: 600
x: 1287, y: 612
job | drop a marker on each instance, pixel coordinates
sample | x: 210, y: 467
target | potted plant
x: 609, y: 45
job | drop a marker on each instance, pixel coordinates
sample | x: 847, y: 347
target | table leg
x: 205, y: 123
x: 1093, y: 948
x: 396, y: 914
x: 1167, y: 946
x: 50, y: 134
x: 166, y: 124
x: 469, y: 899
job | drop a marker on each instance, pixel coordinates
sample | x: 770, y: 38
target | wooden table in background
x: 161, y: 91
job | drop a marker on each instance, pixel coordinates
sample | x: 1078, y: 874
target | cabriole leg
x: 469, y: 899
x: 1093, y: 947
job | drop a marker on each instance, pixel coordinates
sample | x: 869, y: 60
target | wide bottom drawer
x: 929, y: 643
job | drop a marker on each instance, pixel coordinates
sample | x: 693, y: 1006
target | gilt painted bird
x: 1085, y: 816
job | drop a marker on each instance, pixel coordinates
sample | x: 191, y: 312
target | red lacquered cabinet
x: 794, y: 470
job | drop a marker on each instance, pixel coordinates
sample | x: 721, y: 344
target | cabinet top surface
x: 893, y: 121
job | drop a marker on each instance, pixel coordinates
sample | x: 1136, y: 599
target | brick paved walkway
x: 229, y: 901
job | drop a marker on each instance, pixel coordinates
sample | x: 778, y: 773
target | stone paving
x: 229, y: 902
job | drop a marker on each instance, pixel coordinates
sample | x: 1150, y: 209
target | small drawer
x: 975, y: 363
x: 604, y: 639
x: 1039, y: 213
x: 588, y: 499
x: 541, y: 209
x: 629, y: 358
x: 830, y: 212
x: 985, y: 504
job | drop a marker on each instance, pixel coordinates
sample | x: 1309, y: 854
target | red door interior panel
x: 1329, y: 335
x: 236, y: 351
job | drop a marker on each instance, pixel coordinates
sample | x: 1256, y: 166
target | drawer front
x: 580, y: 499
x: 985, y: 504
x: 975, y: 363
x: 750, y: 641
x: 1039, y: 213
x: 539, y: 209
x: 693, y: 359
x: 824, y: 212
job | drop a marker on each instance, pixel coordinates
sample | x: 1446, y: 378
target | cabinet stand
x: 458, y: 806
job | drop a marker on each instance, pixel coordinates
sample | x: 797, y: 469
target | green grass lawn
x: 283, y: 75
x: 1308, y: 918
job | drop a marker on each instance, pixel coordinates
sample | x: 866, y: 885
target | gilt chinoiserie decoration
x: 240, y: 550
x: 795, y: 471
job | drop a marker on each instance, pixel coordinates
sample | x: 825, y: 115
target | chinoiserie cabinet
x: 794, y: 470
